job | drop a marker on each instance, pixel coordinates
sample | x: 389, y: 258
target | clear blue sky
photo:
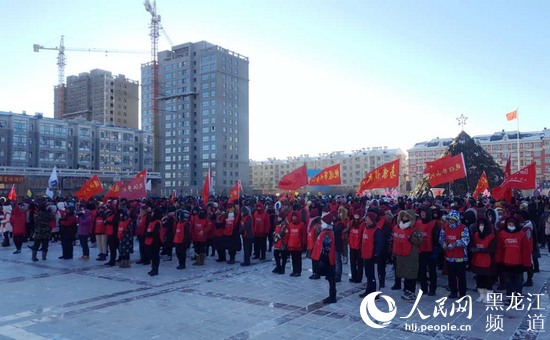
x: 324, y: 75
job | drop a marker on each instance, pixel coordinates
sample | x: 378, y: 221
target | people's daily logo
x: 373, y: 316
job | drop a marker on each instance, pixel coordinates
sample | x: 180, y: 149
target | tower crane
x: 62, y: 61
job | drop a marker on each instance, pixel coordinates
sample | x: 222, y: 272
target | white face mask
x: 511, y: 227
x: 481, y: 227
x: 231, y: 215
x: 404, y: 225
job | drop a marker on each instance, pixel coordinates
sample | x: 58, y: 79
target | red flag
x: 502, y: 192
x: 12, y: 195
x: 482, y: 185
x: 328, y: 176
x: 173, y: 197
x: 142, y: 173
x: 113, y: 192
x: 524, y: 179
x: 133, y: 189
x: 432, y: 164
x: 294, y: 180
x: 512, y: 115
x: 207, y: 186
x: 235, y: 192
x: 385, y: 176
x: 90, y: 188
x: 447, y: 169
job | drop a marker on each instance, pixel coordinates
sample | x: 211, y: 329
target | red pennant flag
x: 90, y: 188
x: 482, y: 185
x: 133, y: 189
x: 512, y: 115
x: 173, y: 197
x: 207, y: 187
x: 524, y: 179
x: 294, y: 180
x: 385, y: 176
x: 235, y: 192
x: 113, y: 192
x: 328, y: 176
x: 446, y: 169
x: 12, y: 195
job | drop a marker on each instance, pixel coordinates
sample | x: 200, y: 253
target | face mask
x: 511, y: 227
x: 231, y: 215
x: 404, y: 225
x: 481, y: 227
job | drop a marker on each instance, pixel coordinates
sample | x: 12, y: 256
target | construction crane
x: 154, y: 27
x: 62, y: 62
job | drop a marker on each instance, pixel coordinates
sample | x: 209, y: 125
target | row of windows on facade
x: 171, y: 175
x: 204, y: 165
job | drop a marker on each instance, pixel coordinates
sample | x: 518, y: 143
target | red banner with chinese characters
x: 133, y: 189
x: 524, y: 179
x: 482, y: 185
x: 90, y: 188
x: 446, y: 169
x: 12, y: 179
x: 328, y: 176
x: 385, y: 176
x: 114, y: 191
x: 294, y: 180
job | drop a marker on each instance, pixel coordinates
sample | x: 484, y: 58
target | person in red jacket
x: 280, y: 242
x: 260, y: 228
x: 325, y: 254
x: 182, y: 235
x: 18, y: 223
x: 371, y: 248
x: 454, y: 238
x: 296, y: 242
x: 199, y: 235
x: 429, y: 250
x: 67, y: 232
x: 513, y: 255
x: 125, y: 237
x: 483, y: 246
x: 355, y: 233
x: 153, y: 240
x: 143, y: 220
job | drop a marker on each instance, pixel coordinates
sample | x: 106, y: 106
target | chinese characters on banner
x: 114, y: 191
x: 445, y: 169
x: 133, y: 189
x: 385, y: 176
x: 90, y: 188
x: 12, y: 179
x: 327, y: 176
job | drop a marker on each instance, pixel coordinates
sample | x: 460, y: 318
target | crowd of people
x: 423, y: 238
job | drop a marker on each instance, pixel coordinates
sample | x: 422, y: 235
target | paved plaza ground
x: 72, y: 299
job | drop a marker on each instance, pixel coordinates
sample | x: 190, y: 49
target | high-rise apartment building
x: 202, y: 118
x: 534, y: 146
x: 100, y: 97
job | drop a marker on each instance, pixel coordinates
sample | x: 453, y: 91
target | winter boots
x: 44, y: 253
x: 200, y: 260
x: 34, y: 258
x: 124, y: 264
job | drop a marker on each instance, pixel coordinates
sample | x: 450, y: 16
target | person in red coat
x: 18, y: 223
x: 371, y: 249
x: 199, y: 235
x: 513, y: 255
x: 153, y: 240
x: 280, y: 241
x: 296, y: 242
x: 324, y: 253
x: 355, y: 233
x: 483, y: 246
x: 182, y: 235
x: 260, y: 228
x: 67, y: 232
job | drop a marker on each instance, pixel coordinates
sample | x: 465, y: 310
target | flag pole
x: 519, y: 159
